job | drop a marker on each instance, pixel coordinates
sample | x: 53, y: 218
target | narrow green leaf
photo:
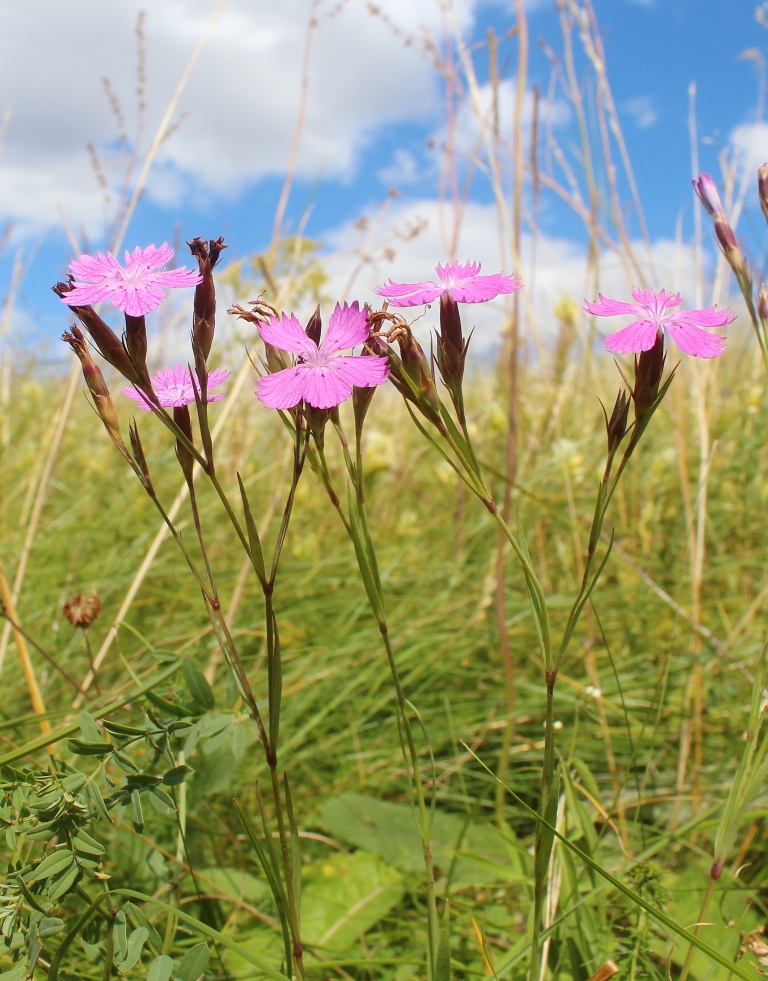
x: 89, y: 728
x: 82, y: 748
x: 177, y: 775
x: 194, y: 964
x: 257, y: 555
x: 160, y: 968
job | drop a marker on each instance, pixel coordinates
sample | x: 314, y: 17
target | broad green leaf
x: 53, y: 864
x: 160, y: 968
x: 177, y: 775
x: 49, y: 926
x: 345, y: 895
x: 136, y: 942
x: 16, y: 973
x: 389, y: 831
x: 194, y: 964
x: 231, y: 882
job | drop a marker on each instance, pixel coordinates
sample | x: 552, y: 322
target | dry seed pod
x: 81, y: 610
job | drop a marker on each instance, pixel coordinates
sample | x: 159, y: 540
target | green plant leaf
x: 197, y: 684
x: 345, y: 895
x: 160, y: 968
x: 194, y: 964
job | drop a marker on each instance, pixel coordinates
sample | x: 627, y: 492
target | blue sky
x: 373, y: 107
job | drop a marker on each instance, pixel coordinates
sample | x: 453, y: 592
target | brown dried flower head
x: 81, y: 610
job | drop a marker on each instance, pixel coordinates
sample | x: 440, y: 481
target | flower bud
x: 707, y: 192
x: 616, y: 426
x: 140, y: 458
x: 314, y: 326
x: 135, y: 340
x: 316, y: 422
x: 762, y: 303
x: 649, y: 368
x: 416, y: 364
x: 204, y: 317
x: 106, y: 340
x: 276, y: 359
x: 183, y: 454
x: 451, y: 349
x: 729, y: 246
x: 762, y: 188
x: 96, y: 384
x: 362, y: 397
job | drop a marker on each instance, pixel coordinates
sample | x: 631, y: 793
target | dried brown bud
x: 81, y: 610
x: 106, y: 340
x: 204, y: 318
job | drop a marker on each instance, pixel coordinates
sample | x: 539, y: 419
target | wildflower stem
x: 543, y: 841
x: 697, y: 929
x: 298, y: 953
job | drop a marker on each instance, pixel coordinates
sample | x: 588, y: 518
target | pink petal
x: 95, y: 267
x: 695, y: 341
x: 346, y: 328
x: 136, y: 302
x: 452, y: 271
x: 285, y: 388
x: 711, y: 317
x: 479, y: 289
x: 138, y: 397
x: 152, y: 257
x: 362, y: 371
x: 612, y: 308
x: 287, y: 334
x: 175, y: 278
x: 409, y: 294
x: 639, y: 336
x: 215, y: 378
x: 325, y: 388
x: 85, y: 294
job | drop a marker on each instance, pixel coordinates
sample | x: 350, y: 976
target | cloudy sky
x: 375, y: 119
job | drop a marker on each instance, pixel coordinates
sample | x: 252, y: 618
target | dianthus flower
x: 135, y: 289
x: 461, y: 283
x: 173, y: 387
x: 654, y: 313
x: 321, y: 376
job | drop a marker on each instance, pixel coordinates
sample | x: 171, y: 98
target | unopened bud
x: 762, y: 188
x: 106, y: 340
x: 362, y: 397
x: 451, y: 349
x: 649, y: 368
x: 316, y: 422
x: 81, y: 610
x: 183, y: 453
x: 204, y: 317
x: 616, y: 426
x: 707, y: 192
x: 276, y: 360
x: 419, y: 369
x: 96, y: 384
x: 762, y: 303
x: 314, y: 326
x: 729, y: 246
x: 135, y: 339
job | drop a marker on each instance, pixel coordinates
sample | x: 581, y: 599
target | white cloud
x: 240, y: 103
x: 750, y: 143
x: 642, y: 110
x: 404, y: 169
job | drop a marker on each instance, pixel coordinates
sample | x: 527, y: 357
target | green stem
x: 696, y: 930
x: 544, y: 841
x: 298, y: 952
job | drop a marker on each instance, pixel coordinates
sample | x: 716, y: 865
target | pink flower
x: 461, y: 283
x: 654, y: 313
x: 173, y: 387
x: 135, y: 289
x: 321, y: 376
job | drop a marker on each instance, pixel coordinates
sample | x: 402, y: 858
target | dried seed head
x: 81, y: 610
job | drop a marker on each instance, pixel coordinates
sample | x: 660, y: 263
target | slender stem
x: 543, y: 841
x: 702, y: 913
x: 298, y: 952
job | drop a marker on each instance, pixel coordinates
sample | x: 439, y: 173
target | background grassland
x: 638, y: 798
